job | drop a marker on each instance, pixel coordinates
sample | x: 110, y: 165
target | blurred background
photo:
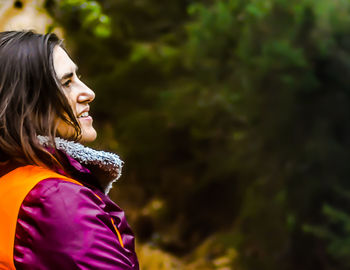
x: 232, y: 116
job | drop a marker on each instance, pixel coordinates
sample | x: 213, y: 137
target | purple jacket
x: 62, y: 225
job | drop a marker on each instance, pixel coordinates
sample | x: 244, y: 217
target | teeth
x: 85, y: 114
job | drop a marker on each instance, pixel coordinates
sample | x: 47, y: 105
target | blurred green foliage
x: 88, y: 14
x: 233, y: 115
x: 339, y: 239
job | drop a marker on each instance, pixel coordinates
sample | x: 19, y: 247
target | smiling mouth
x: 84, y: 114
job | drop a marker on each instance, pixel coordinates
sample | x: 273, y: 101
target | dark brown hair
x: 31, y: 98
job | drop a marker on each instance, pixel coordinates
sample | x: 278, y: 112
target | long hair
x: 31, y: 98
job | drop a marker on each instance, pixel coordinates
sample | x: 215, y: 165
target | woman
x: 54, y: 211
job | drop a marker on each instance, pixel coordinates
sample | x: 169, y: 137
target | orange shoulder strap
x: 14, y: 187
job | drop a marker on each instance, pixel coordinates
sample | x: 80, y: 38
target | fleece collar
x: 108, y: 164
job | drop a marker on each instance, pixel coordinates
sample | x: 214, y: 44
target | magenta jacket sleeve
x: 62, y: 225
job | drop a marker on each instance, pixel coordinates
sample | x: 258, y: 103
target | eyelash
x: 68, y: 82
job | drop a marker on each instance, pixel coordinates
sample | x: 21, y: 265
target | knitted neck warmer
x: 110, y: 164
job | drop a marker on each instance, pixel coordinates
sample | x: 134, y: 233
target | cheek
x: 71, y: 99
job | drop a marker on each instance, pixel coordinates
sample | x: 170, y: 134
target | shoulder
x: 60, y: 221
x: 59, y: 209
x: 53, y: 190
x: 63, y: 207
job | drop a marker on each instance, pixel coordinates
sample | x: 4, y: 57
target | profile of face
x: 78, y: 94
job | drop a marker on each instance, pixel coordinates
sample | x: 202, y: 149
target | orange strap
x: 114, y: 226
x: 118, y: 233
x: 14, y: 187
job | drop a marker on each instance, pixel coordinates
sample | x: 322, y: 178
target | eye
x: 67, y: 83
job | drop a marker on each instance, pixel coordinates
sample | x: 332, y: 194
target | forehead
x: 62, y: 62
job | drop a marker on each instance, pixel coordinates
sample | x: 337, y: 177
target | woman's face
x: 78, y: 95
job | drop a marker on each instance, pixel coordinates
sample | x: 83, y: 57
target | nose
x: 86, y: 95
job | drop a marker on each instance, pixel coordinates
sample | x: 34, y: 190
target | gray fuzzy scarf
x: 110, y: 164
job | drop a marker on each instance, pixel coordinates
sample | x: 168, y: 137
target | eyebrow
x: 69, y: 74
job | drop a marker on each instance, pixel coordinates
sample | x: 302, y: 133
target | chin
x: 88, y: 135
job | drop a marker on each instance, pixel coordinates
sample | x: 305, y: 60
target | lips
x: 84, y: 113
